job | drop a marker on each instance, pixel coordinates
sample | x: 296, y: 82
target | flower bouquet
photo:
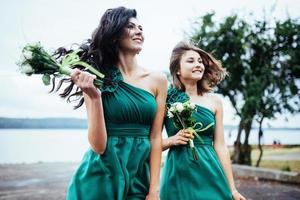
x: 183, y: 119
x: 36, y: 60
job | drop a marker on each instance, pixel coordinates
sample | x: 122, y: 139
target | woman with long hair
x: 125, y: 115
x: 195, y: 73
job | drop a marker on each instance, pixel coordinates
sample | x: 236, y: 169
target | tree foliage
x: 263, y: 61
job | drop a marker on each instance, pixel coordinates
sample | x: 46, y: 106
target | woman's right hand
x: 181, y: 138
x: 85, y: 81
x: 237, y: 196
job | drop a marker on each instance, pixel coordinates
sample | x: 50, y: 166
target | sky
x: 58, y: 23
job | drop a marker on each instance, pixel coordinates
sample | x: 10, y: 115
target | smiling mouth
x: 197, y: 71
x: 138, y: 39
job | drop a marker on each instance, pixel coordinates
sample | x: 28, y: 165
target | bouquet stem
x: 191, y: 142
x: 66, y: 70
x: 194, y: 151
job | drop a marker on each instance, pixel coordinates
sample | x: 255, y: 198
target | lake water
x: 65, y: 145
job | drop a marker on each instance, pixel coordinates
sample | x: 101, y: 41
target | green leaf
x: 46, y: 79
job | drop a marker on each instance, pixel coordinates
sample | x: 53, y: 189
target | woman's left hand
x: 153, y: 196
x: 237, y: 196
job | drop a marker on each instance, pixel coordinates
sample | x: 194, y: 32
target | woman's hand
x: 237, y: 196
x: 85, y: 81
x: 181, y: 138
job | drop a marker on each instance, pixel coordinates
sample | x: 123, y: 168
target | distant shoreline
x: 42, y: 123
x: 225, y: 127
x: 37, y: 128
x: 80, y: 123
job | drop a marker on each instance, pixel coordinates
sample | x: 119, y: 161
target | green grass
x: 289, y: 165
x: 274, y: 151
x: 285, y: 165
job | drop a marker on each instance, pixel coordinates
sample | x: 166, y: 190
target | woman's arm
x: 156, y: 136
x: 222, y: 150
x: 97, y: 135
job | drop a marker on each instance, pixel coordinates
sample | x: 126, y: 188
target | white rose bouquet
x: 36, y: 60
x: 183, y: 119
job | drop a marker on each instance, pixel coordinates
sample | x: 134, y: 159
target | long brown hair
x: 101, y: 51
x: 214, y: 73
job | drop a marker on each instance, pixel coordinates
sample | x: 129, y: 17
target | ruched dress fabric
x: 122, y: 171
x: 184, y: 178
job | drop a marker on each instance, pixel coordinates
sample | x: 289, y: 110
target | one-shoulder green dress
x: 122, y: 172
x: 184, y: 178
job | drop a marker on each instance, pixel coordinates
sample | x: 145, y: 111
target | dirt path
x: 49, y: 181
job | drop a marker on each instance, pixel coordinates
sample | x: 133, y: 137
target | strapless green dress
x: 122, y: 172
x: 184, y: 178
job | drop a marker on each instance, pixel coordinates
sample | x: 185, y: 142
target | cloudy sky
x: 62, y: 22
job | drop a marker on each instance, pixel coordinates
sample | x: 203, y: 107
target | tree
x: 263, y: 61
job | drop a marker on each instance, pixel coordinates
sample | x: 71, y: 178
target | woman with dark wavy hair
x: 195, y: 73
x: 125, y: 117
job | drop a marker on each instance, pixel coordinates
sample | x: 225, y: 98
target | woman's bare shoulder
x: 215, y: 99
x: 156, y: 76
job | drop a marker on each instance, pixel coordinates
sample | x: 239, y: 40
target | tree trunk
x: 242, y: 152
x: 260, y: 134
x: 237, y: 145
x: 246, y: 157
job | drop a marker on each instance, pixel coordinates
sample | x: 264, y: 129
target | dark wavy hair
x: 214, y: 73
x: 101, y: 51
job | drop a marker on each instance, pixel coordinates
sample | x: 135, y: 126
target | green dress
x: 184, y: 178
x: 122, y: 172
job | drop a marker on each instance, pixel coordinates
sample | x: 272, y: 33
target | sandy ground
x: 49, y: 181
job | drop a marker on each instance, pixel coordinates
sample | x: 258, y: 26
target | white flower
x: 170, y: 114
x: 192, y: 106
x: 172, y: 109
x: 27, y: 54
x: 179, y: 107
x: 27, y: 69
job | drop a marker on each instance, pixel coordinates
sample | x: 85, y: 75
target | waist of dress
x: 128, y: 129
x: 203, y: 142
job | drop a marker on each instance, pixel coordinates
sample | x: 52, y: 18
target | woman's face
x: 133, y: 38
x: 191, y: 67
